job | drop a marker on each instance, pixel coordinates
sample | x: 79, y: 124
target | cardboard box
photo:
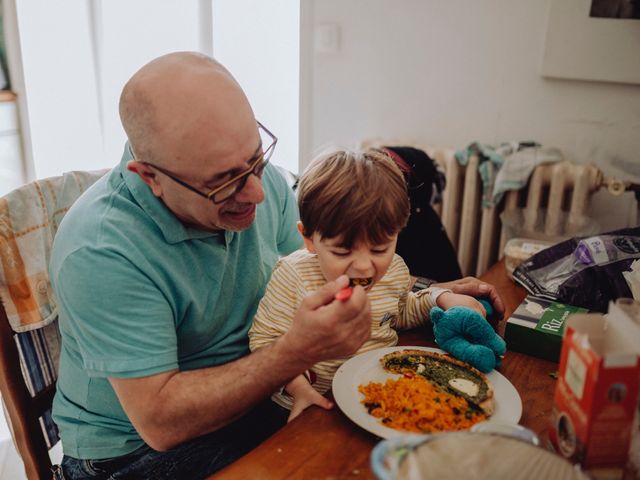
x: 596, y: 402
x: 536, y: 327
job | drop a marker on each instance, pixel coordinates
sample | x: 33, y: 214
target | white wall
x: 74, y: 59
x: 258, y: 42
x: 57, y: 90
x: 11, y: 170
x: 132, y: 34
x: 450, y: 73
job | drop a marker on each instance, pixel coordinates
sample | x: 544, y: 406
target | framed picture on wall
x: 596, y: 40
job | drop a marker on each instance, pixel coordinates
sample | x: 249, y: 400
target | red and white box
x: 595, y: 417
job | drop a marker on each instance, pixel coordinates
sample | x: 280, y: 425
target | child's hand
x: 301, y: 403
x: 304, y: 396
x: 449, y: 299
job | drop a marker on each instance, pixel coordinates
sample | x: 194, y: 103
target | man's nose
x: 252, y: 191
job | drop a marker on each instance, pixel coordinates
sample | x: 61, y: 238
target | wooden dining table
x: 321, y: 444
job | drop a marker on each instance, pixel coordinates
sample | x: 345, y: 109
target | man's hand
x: 171, y: 407
x: 325, y: 328
x: 475, y: 288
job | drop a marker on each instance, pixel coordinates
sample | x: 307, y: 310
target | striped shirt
x: 393, y: 306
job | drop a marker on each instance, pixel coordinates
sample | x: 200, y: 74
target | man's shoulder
x: 102, y: 214
x: 278, y: 213
x: 275, y: 184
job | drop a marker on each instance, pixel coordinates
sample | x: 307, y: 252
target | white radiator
x: 554, y: 204
x: 558, y: 192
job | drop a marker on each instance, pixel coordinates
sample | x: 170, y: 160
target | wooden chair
x: 23, y: 410
x: 29, y: 337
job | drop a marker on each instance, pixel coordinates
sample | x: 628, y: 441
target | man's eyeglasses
x: 232, y: 186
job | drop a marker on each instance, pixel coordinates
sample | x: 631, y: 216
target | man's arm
x: 169, y: 408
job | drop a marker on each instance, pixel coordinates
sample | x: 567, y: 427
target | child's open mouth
x: 363, y: 282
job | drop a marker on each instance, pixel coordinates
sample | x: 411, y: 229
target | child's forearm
x: 415, y: 310
x: 450, y: 299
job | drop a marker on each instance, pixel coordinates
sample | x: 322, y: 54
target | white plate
x: 366, y: 367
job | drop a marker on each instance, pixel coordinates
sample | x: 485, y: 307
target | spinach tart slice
x: 450, y: 374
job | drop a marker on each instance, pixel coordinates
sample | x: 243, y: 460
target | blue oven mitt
x: 466, y: 335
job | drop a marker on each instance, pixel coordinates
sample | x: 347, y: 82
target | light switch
x: 327, y: 38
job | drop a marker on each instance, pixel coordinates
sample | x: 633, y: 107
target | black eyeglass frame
x: 260, y: 161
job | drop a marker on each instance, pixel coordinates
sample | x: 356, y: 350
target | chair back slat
x: 24, y: 411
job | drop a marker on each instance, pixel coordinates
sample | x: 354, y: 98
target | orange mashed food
x: 414, y: 404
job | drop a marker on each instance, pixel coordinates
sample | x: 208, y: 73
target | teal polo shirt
x: 139, y: 293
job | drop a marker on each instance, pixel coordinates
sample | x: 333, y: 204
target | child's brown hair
x: 356, y: 196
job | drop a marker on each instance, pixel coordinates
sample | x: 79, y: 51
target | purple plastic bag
x: 585, y: 272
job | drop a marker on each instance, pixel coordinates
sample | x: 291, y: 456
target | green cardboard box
x: 536, y: 327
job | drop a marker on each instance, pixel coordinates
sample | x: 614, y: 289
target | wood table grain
x: 322, y: 444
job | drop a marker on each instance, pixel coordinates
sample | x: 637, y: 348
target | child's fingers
x: 325, y: 403
x: 482, y: 311
x: 321, y: 401
x: 314, y: 398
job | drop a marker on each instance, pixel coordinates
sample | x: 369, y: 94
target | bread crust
x: 486, y: 403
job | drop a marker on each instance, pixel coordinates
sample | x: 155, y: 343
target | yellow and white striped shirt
x: 393, y: 307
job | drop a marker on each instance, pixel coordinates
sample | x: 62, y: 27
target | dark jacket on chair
x: 423, y: 244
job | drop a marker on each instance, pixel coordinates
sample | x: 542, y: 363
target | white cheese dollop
x: 465, y: 386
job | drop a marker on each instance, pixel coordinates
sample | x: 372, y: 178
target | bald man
x: 158, y: 269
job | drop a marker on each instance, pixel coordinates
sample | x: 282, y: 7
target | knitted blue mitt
x: 466, y: 335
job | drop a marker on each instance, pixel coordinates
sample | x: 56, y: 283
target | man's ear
x: 148, y: 176
x: 308, y: 242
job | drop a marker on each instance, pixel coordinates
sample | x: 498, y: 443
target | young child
x: 352, y: 207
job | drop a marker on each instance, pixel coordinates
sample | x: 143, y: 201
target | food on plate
x: 455, y: 377
x: 413, y: 403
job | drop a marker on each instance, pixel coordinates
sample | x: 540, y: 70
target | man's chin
x: 238, y: 221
